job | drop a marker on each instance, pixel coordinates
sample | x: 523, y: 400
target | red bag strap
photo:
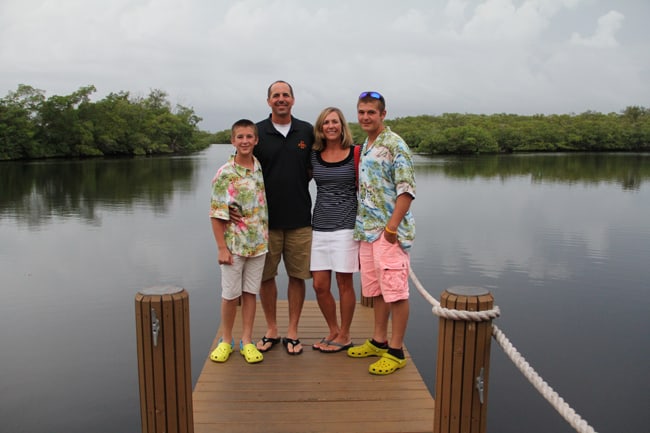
x: 357, y: 158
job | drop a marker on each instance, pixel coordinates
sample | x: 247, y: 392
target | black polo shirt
x: 286, y: 167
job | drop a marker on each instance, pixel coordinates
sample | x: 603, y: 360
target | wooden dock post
x: 164, y: 365
x: 463, y: 364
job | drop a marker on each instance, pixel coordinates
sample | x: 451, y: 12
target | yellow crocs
x: 250, y: 353
x: 222, y: 352
x: 387, y: 364
x: 365, y: 350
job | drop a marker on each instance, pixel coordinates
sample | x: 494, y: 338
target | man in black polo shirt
x: 284, y: 152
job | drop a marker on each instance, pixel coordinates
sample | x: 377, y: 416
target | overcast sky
x: 426, y: 56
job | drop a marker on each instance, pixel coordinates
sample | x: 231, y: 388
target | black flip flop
x: 265, y: 340
x: 287, y: 341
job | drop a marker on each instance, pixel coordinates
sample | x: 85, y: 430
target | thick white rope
x: 563, y: 408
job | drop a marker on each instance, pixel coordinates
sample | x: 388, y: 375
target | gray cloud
x: 530, y: 56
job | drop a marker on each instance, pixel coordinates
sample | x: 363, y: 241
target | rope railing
x: 562, y: 407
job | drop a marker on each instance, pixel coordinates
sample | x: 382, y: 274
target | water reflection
x: 491, y: 227
x: 36, y: 192
x: 627, y: 170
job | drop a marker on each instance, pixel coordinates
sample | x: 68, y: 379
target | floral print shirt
x: 243, y: 188
x: 385, y: 172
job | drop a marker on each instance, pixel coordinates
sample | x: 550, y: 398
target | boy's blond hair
x: 244, y: 123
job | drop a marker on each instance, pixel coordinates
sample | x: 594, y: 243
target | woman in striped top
x: 333, y: 248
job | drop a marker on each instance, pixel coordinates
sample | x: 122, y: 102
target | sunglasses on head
x: 374, y: 95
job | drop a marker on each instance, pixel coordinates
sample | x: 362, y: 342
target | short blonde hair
x: 244, y: 123
x: 346, y: 134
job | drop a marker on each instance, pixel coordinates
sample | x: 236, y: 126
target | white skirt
x: 334, y: 251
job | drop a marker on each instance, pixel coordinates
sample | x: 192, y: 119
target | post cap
x: 160, y: 290
x: 468, y: 291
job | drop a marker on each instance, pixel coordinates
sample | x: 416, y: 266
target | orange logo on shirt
x: 302, y: 144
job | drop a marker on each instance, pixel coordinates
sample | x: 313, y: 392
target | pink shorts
x: 384, y: 270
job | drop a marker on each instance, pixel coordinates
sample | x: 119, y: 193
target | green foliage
x: 33, y: 126
x: 453, y: 133
x: 18, y: 123
x: 222, y: 137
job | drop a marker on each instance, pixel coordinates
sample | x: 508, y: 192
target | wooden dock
x: 312, y: 392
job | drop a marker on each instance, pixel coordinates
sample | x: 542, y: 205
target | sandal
x: 287, y: 341
x: 222, y: 352
x: 321, y: 343
x: 338, y: 347
x: 387, y: 364
x: 365, y: 350
x: 250, y: 353
x: 266, y: 340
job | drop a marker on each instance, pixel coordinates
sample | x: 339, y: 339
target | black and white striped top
x: 336, y: 195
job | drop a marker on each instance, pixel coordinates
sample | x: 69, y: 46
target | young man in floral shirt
x: 386, y: 229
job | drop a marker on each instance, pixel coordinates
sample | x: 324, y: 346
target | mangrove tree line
x: 506, y: 133
x: 454, y: 133
x: 33, y: 126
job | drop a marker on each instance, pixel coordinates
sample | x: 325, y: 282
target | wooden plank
x: 140, y: 329
x: 468, y: 369
x: 312, y: 392
x: 440, y: 363
x: 484, y: 340
x: 445, y: 353
x: 169, y: 357
x: 148, y: 362
x: 158, y: 373
x: 457, y: 367
x: 183, y: 359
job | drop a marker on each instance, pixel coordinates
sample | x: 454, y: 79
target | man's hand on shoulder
x: 235, y: 213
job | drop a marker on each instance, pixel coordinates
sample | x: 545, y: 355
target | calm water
x: 561, y: 241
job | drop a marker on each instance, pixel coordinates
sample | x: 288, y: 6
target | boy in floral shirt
x: 386, y: 229
x: 243, y: 245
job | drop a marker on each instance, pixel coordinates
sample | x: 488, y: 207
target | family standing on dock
x: 361, y: 222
